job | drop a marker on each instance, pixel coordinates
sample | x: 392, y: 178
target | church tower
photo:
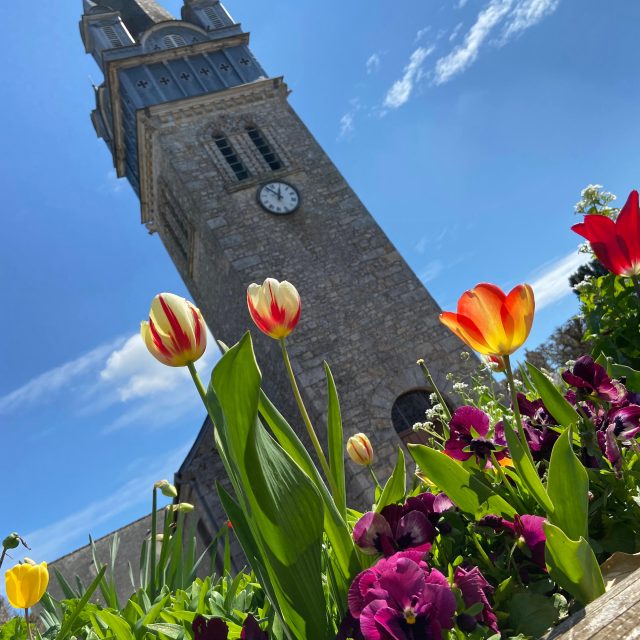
x: 238, y: 189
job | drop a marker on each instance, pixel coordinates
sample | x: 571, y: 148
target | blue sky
x: 468, y: 128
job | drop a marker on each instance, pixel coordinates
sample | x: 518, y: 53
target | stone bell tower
x: 238, y: 189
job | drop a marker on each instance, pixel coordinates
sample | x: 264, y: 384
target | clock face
x: 278, y: 197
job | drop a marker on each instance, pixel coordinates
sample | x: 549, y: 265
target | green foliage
x: 14, y: 629
x: 396, y: 486
x: 335, y: 443
x: 281, y: 504
x: 555, y: 402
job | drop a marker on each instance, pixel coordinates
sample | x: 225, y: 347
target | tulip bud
x: 176, y: 333
x: 493, y: 363
x: 183, y: 507
x: 360, y: 450
x: 274, y: 307
x: 26, y: 584
x: 11, y: 541
x: 166, y: 488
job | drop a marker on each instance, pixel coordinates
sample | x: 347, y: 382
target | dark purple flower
x: 398, y: 527
x: 211, y: 629
x: 400, y: 598
x: 468, y: 430
x: 625, y: 421
x: 251, y: 630
x: 475, y: 588
x: 590, y: 378
x: 527, y: 530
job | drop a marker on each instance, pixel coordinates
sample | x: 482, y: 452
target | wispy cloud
x: 526, y: 14
x: 348, y: 120
x: 455, y: 32
x: 373, y: 63
x: 48, y: 383
x: 422, y: 32
x: 466, y: 54
x: 461, y: 3
x: 551, y: 282
x: 431, y: 271
x: 401, y: 89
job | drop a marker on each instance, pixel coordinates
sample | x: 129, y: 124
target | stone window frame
x: 264, y: 147
x: 408, y: 435
x: 172, y: 219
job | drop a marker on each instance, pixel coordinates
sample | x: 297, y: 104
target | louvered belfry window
x: 231, y: 157
x: 267, y: 153
x: 173, y: 40
x: 215, y: 20
x: 114, y: 39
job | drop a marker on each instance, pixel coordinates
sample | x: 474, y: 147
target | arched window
x: 267, y: 153
x: 408, y: 409
x: 173, y: 40
x: 112, y: 36
x: 231, y: 157
x: 213, y: 17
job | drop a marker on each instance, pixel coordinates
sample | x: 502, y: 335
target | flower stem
x: 373, y: 475
x: 198, y: 382
x: 636, y: 284
x: 507, y: 485
x: 516, y: 409
x: 434, y: 386
x: 152, y: 546
x: 26, y: 619
x: 305, y: 417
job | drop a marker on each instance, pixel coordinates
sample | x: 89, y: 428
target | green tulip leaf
x: 396, y: 485
x: 336, y: 443
x: 526, y: 470
x: 555, y: 402
x: 573, y: 565
x: 469, y: 493
x: 568, y: 488
x: 283, y: 507
x: 632, y: 377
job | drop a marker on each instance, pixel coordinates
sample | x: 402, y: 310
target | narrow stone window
x: 231, y: 157
x: 114, y: 39
x: 408, y: 409
x: 213, y: 17
x: 268, y: 154
x: 173, y: 40
x: 178, y: 228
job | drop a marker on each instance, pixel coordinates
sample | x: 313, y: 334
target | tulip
x: 166, y: 488
x: 274, y: 307
x: 26, y: 584
x: 616, y: 244
x: 494, y: 363
x: 176, y: 333
x: 491, y: 322
x: 360, y: 450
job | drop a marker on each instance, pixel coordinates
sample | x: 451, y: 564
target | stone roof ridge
x: 107, y: 535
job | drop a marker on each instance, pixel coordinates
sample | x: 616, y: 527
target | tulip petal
x: 466, y: 330
x: 628, y: 232
x: 483, y: 306
x: 519, y: 307
x: 601, y: 233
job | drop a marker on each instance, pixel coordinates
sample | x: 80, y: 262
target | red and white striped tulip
x: 176, y: 333
x: 360, y: 450
x: 274, y: 307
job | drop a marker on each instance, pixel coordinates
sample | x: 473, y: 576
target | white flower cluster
x: 459, y: 387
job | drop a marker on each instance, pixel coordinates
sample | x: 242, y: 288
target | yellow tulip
x: 26, y: 584
x: 360, y: 450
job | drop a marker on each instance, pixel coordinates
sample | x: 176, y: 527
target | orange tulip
x: 176, y: 333
x: 491, y: 322
x: 274, y: 307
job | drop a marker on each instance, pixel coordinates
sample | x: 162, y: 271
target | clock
x: 278, y: 197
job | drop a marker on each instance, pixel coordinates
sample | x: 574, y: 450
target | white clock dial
x: 278, y: 197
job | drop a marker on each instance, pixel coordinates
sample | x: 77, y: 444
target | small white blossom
x: 460, y: 386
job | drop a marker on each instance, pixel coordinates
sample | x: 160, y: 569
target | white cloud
x: 466, y: 54
x: 422, y: 32
x: 347, y: 125
x: 431, y: 271
x: 401, y: 89
x: 455, y: 32
x: 527, y: 13
x: 551, y: 283
x: 47, y: 383
x: 461, y: 3
x: 54, y: 539
x: 373, y: 63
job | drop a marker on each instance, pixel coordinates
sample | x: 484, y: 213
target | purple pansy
x: 527, y: 531
x: 397, y: 527
x: 217, y: 629
x: 400, y: 598
x: 468, y: 429
x: 590, y: 378
x: 475, y: 588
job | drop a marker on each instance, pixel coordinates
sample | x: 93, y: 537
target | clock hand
x: 279, y: 194
x: 275, y: 193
